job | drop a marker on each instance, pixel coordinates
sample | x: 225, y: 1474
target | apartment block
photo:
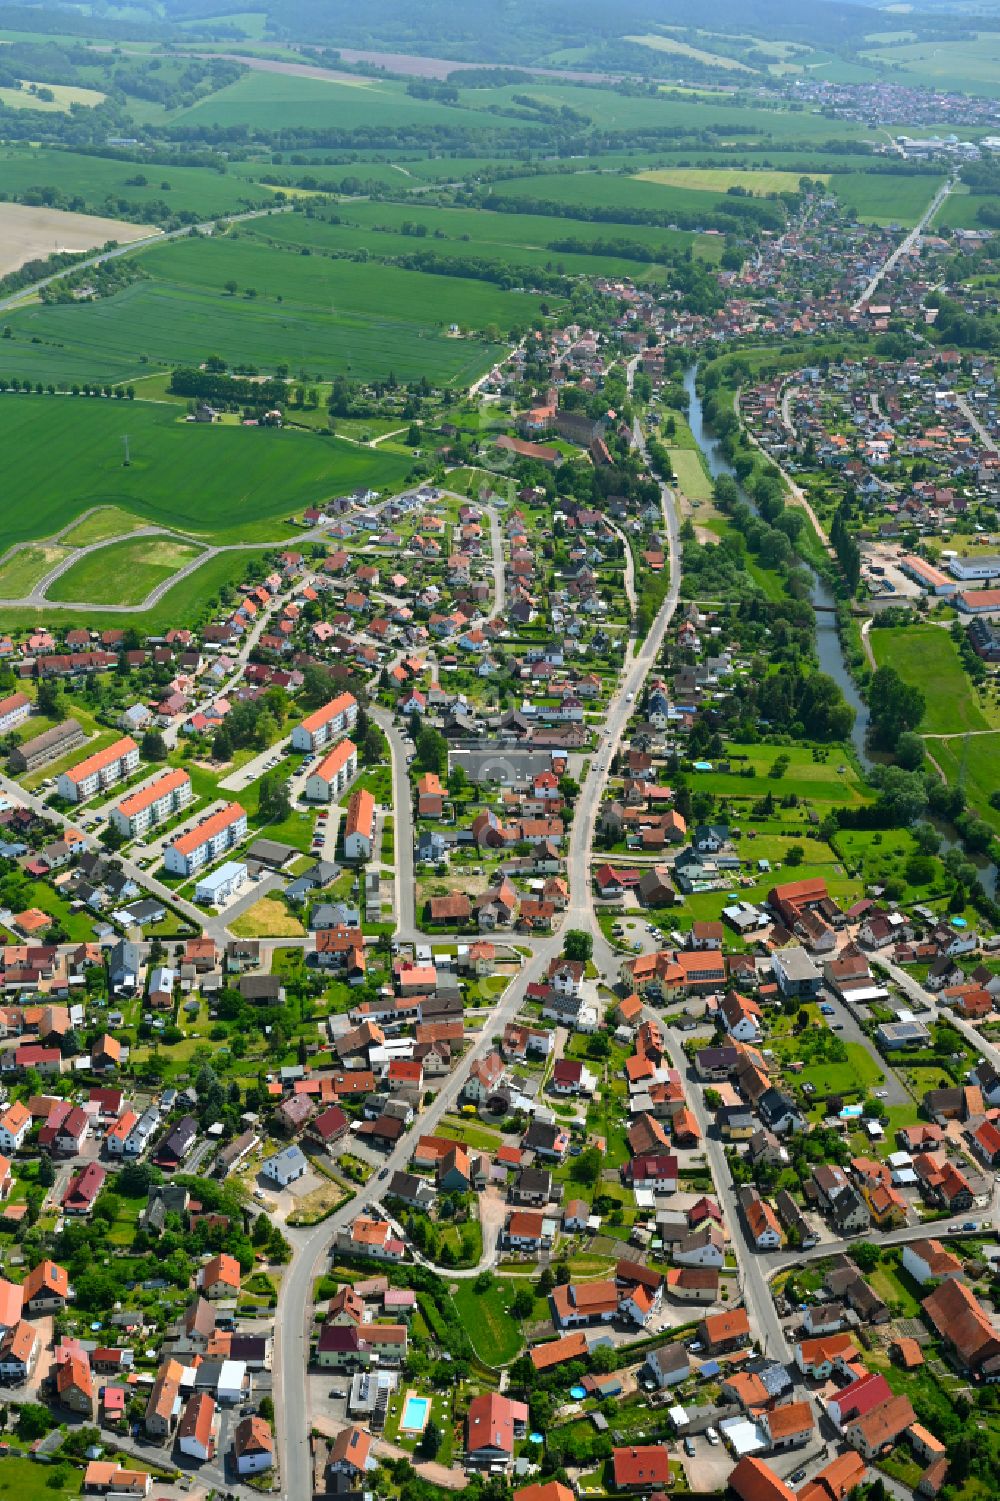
x: 103, y: 769
x: 324, y: 725
x: 206, y: 841
x: 164, y: 797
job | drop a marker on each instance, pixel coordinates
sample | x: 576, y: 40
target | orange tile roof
x: 102, y: 758
x: 212, y: 825
x: 146, y: 796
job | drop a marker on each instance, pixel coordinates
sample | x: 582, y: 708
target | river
x: 828, y: 647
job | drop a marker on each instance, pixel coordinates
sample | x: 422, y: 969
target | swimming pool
x: 416, y: 1411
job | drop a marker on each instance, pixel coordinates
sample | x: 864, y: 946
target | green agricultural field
x: 609, y: 190
x: 64, y: 456
x: 690, y: 472
x: 449, y: 233
x: 926, y: 656
x: 95, y: 183
x: 885, y: 197
x: 972, y: 64
x: 123, y: 573
x: 327, y: 317
x: 960, y: 210
x: 274, y: 101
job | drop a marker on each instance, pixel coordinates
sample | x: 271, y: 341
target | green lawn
x: 123, y: 573
x: 926, y: 656
x: 495, y: 1334
x: 24, y: 1480
x: 827, y: 775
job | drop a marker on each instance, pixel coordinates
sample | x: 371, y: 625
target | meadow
x: 721, y: 179
x: 885, y: 197
x: 324, y: 316
x: 973, y: 763
x: 123, y: 573
x: 63, y: 455
x: 926, y: 656
x: 660, y: 43
x: 63, y: 94
x: 971, y: 64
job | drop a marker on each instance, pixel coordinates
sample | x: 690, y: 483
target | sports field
x: 690, y: 472
x: 123, y: 573
x: 327, y: 317
x: 721, y: 179
x: 63, y: 455
x: 926, y: 656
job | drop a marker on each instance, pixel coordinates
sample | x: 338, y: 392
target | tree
x: 266, y: 1408
x: 546, y: 1282
x: 578, y: 945
x: 866, y: 1255
x: 136, y: 1179
x: 430, y: 1441
x: 895, y: 706
x: 153, y: 746
x: 275, y: 801
x: 523, y: 1304
x: 33, y: 1422
x: 910, y: 751
x: 50, y: 699
x: 795, y: 855
x: 586, y: 1168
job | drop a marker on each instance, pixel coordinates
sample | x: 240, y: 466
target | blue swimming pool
x: 578, y: 1393
x: 415, y: 1413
